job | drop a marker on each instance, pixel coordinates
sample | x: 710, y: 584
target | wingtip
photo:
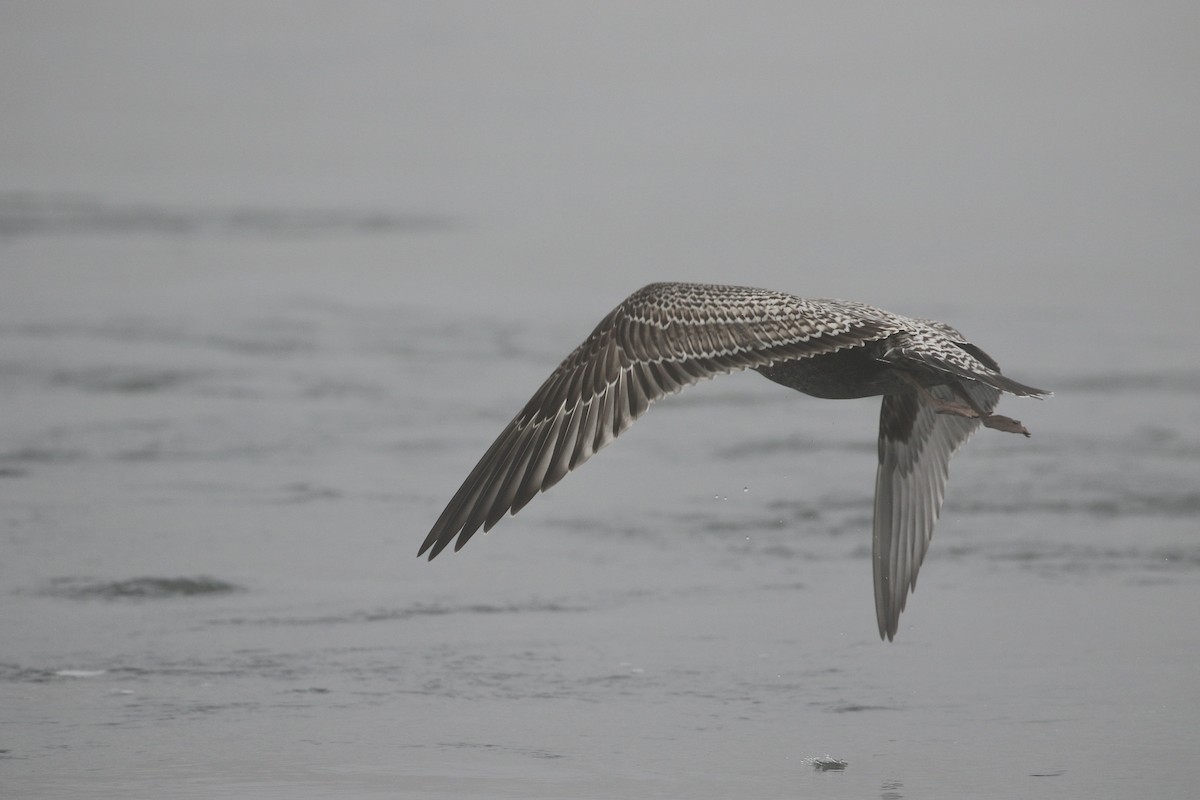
x: 425, y: 546
x: 434, y: 544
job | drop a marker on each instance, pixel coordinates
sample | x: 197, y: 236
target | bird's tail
x: 1013, y: 387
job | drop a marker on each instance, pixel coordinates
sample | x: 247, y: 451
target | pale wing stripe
x: 604, y: 421
x: 561, y: 462
x: 624, y: 414
x: 492, y: 482
x: 532, y: 454
x: 456, y: 512
x: 587, y: 432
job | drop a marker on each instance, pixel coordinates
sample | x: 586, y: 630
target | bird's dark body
x: 937, y: 389
x: 847, y: 374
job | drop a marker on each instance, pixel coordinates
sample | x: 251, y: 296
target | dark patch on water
x: 171, y: 711
x: 854, y: 708
x: 326, y: 388
x: 264, y: 337
x: 117, y: 669
x: 747, y: 525
x: 1161, y: 442
x: 532, y: 752
x: 740, y: 400
x: 810, y: 510
x: 43, y: 455
x: 28, y: 214
x: 18, y: 674
x: 755, y: 448
x: 789, y: 515
x: 595, y: 527
x: 143, y: 440
x: 1147, y: 440
x: 304, y: 492
x: 1076, y: 559
x: 792, y: 528
x: 1122, y: 504
x: 121, y: 380
x: 262, y: 343
x: 145, y: 588
x: 1187, y: 381
x: 410, y: 612
x: 126, y: 330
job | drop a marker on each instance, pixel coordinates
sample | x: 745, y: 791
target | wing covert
x: 660, y: 339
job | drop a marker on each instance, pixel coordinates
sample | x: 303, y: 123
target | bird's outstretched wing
x: 660, y: 339
x: 915, y: 445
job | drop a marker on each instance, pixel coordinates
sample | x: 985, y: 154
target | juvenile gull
x: 937, y: 388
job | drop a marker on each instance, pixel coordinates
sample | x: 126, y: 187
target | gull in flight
x: 937, y: 389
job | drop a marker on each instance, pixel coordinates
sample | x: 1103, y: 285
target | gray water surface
x: 263, y: 305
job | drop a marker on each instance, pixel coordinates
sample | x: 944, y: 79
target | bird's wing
x: 946, y: 351
x: 915, y: 445
x: 660, y: 339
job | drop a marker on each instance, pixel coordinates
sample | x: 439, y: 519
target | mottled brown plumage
x: 937, y: 388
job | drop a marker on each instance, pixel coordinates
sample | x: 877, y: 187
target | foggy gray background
x: 1030, y: 152
x: 273, y: 275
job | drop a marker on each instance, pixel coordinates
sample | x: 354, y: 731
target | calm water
x: 239, y: 384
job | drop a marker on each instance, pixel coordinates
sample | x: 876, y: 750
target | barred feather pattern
x: 667, y: 336
x: 660, y: 339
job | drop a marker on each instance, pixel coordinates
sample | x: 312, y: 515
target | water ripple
x: 1123, y: 504
x: 144, y: 588
x: 28, y: 214
x: 1170, y: 381
x: 405, y: 613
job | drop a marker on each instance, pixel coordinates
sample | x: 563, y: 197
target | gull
x: 937, y: 389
